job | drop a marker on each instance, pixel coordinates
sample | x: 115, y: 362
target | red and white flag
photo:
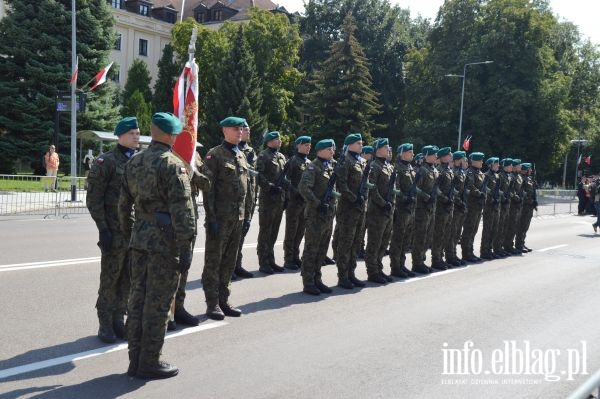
x: 467, y: 143
x: 101, y: 76
x: 588, y: 160
x: 75, y: 72
x: 185, y: 107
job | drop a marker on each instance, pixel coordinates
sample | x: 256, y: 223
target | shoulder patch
x: 311, y: 167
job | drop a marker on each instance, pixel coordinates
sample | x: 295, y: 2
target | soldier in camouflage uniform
x: 319, y: 215
x: 404, y: 216
x: 250, y: 154
x: 350, y: 209
x: 443, y: 210
x: 104, y: 186
x: 529, y: 198
x: 198, y: 183
x: 226, y: 205
x: 157, y: 184
x: 367, y: 154
x: 459, y: 210
x: 294, y: 212
x: 271, y: 180
x: 380, y: 211
x: 514, y: 214
x: 476, y: 193
x: 491, y: 210
x: 424, y: 208
x: 505, y: 186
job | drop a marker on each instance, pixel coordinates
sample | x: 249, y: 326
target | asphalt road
x: 397, y: 341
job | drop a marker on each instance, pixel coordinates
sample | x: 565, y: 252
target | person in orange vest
x: 51, y: 162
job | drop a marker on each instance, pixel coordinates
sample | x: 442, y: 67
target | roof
x: 190, y: 5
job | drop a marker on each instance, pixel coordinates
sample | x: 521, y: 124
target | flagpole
x: 73, y: 106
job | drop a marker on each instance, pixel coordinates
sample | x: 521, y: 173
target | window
x: 144, y: 47
x: 144, y: 10
x: 170, y: 17
x: 201, y: 17
x: 218, y: 14
x: 118, y: 4
x: 116, y: 75
x: 118, y: 42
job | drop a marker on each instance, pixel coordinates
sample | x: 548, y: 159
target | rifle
x: 330, y: 193
x: 496, y: 193
x: 511, y: 184
x: 281, y: 179
x: 434, y: 190
x: 483, y: 189
x: 451, y: 192
x: 364, y: 187
x: 413, y: 188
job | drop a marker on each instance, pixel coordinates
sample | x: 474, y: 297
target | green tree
x: 137, y: 106
x: 138, y: 79
x: 35, y: 43
x: 168, y: 72
x: 239, y: 89
x: 343, y: 99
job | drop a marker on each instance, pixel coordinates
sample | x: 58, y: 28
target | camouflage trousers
x: 180, y: 295
x: 154, y: 279
x: 523, y: 226
x: 403, y: 223
x: 379, y: 232
x: 423, y: 218
x: 511, y: 225
x: 454, y: 230
x: 316, y: 243
x: 113, y: 292
x: 269, y: 219
x: 470, y: 227
x: 238, y: 261
x: 346, y: 243
x: 441, y: 232
x: 363, y: 231
x: 501, y: 230
x: 219, y: 260
x: 491, y: 215
x: 294, y: 230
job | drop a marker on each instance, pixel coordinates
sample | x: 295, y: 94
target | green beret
x: 367, y: 149
x: 476, y: 156
x: 126, y: 124
x: 167, y: 122
x: 506, y: 162
x: 492, y: 160
x: 303, y: 140
x: 404, y: 147
x: 233, y: 121
x: 516, y: 162
x: 381, y: 143
x: 458, y: 155
x: 245, y: 124
x: 429, y: 150
x: 270, y: 136
x: 525, y: 166
x: 352, y: 138
x: 444, y: 151
x: 418, y: 157
x: 321, y: 145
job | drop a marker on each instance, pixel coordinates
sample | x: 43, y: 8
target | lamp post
x: 73, y: 106
x: 462, y: 95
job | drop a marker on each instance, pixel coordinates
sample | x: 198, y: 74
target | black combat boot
x: 229, y: 310
x: 439, y: 265
x: 355, y: 281
x: 213, y: 311
x: 106, y: 333
x: 421, y: 269
x: 328, y: 261
x: 291, y: 266
x: 399, y: 272
x: 377, y: 278
x: 119, y: 327
x: 276, y: 268
x: 323, y: 288
x: 133, y: 363
x: 171, y: 325
x: 387, y: 277
x: 486, y: 256
x: 182, y: 316
x: 242, y: 273
x: 409, y: 273
x: 158, y: 370
x: 345, y: 283
x: 266, y: 269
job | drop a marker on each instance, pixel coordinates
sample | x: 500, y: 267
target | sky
x: 583, y: 13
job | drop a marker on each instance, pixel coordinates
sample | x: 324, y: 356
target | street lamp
x: 462, y: 95
x: 580, y: 143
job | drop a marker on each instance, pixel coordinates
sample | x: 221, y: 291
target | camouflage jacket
x: 445, y: 180
x: 298, y: 164
x: 379, y: 177
x: 516, y: 191
x: 460, y: 181
x: 404, y: 182
x: 349, y: 176
x: 104, y: 186
x: 199, y: 182
x: 269, y: 166
x: 229, y: 178
x: 493, y: 179
x: 474, y: 188
x: 528, y: 191
x: 157, y: 184
x: 505, y: 184
x: 425, y: 186
x: 313, y: 185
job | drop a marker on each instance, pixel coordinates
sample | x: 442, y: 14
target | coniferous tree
x: 239, y: 87
x: 35, y: 43
x: 342, y: 99
x: 137, y: 106
x: 168, y: 72
x: 138, y: 79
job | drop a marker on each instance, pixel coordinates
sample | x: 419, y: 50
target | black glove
x: 409, y: 201
x: 275, y: 190
x: 212, y: 229
x: 185, y: 259
x: 105, y: 240
x: 360, y: 200
x: 387, y: 206
x: 323, y: 208
x: 481, y: 196
x: 245, y: 226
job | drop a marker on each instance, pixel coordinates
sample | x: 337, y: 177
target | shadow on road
x: 588, y: 235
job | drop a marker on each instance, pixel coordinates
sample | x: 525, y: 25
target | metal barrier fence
x: 41, y: 195
x: 25, y: 195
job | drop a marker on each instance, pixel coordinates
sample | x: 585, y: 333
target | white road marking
x: 554, y: 247
x: 80, y: 261
x: 27, y: 368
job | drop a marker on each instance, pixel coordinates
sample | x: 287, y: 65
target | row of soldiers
x: 146, y: 211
